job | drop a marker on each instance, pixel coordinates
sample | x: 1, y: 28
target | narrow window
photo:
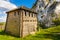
x: 14, y: 13
x: 29, y: 14
x: 32, y: 14
x: 30, y: 20
x: 25, y: 13
x: 27, y: 20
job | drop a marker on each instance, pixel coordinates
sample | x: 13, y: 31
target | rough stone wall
x: 21, y: 25
x: 29, y: 23
x: 13, y: 23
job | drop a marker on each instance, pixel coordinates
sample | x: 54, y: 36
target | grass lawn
x: 52, y: 33
x: 2, y: 23
x: 4, y: 36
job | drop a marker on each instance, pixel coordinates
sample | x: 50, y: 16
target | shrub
x: 56, y: 21
x: 2, y: 23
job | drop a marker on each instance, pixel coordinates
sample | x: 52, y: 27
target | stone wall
x: 29, y: 23
x: 13, y: 23
x: 21, y: 22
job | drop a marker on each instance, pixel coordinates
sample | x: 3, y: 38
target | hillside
x: 2, y: 23
x: 52, y: 33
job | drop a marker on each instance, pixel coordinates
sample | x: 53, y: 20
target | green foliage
x: 2, y: 23
x: 41, y: 25
x: 55, y: 29
x: 56, y: 21
x: 46, y: 34
x: 38, y: 27
x: 52, y: 33
x: 4, y: 36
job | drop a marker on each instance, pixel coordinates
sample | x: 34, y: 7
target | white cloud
x: 5, y: 5
x: 0, y: 18
x: 3, y: 19
x: 6, y: 0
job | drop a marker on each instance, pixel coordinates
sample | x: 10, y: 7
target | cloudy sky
x: 6, y: 5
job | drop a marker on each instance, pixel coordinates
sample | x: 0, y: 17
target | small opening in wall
x: 29, y: 14
x: 15, y: 21
x: 32, y: 14
x: 30, y: 20
x: 25, y: 13
x: 14, y: 13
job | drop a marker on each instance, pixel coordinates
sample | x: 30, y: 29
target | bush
x: 2, y: 23
x: 56, y: 21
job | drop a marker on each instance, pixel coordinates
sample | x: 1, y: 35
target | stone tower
x: 21, y: 22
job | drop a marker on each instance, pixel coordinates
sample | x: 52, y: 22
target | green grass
x: 52, y: 33
x: 2, y: 23
x: 4, y: 36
